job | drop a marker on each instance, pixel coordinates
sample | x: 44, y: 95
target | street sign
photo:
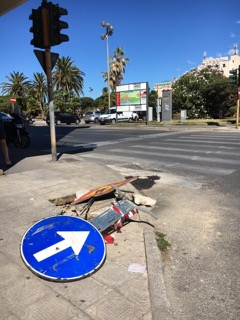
x: 13, y: 100
x: 63, y: 248
x: 42, y: 59
x: 101, y: 191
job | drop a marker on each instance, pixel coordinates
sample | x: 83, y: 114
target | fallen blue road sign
x: 63, y: 248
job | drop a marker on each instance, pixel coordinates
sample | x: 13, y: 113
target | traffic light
x: 47, y: 26
x: 37, y: 28
x: 233, y: 76
x: 55, y: 25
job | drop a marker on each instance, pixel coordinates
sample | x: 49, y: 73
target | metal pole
x: 48, y: 62
x: 108, y: 72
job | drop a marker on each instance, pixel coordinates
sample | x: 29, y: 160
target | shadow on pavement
x: 41, y: 143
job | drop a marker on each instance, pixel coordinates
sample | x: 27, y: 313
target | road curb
x: 160, y: 304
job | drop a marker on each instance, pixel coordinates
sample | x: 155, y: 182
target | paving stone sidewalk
x: 114, y: 291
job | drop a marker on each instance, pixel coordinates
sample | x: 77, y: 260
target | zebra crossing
x: 202, y: 153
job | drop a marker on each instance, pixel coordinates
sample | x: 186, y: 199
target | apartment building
x: 165, y: 85
x: 223, y: 64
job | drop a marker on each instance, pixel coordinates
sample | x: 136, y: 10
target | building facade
x: 165, y: 85
x: 223, y: 64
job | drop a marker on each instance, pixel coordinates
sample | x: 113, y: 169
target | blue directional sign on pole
x: 63, y: 248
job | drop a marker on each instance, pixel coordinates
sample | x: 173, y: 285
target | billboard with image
x: 132, y: 97
x: 129, y: 97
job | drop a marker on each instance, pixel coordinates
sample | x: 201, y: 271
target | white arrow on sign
x: 74, y: 239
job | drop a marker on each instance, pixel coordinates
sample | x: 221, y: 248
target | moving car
x: 113, y: 115
x: 64, y: 117
x: 92, y: 116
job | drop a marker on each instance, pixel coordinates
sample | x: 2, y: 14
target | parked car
x: 112, y: 115
x: 64, y: 117
x: 5, y: 117
x: 92, y: 116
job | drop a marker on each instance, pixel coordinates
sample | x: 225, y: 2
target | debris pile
x: 108, y: 208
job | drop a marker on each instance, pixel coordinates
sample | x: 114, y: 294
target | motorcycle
x: 15, y: 132
x: 28, y: 119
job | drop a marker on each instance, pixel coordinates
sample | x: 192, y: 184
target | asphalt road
x: 194, y: 176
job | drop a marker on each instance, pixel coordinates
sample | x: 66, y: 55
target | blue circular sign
x: 63, y: 248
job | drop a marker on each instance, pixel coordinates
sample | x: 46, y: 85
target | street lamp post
x: 109, y: 32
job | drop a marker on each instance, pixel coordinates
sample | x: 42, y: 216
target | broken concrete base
x: 141, y: 200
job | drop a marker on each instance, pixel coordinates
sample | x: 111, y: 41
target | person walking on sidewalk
x: 4, y: 147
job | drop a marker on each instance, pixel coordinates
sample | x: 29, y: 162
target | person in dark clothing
x: 4, y: 147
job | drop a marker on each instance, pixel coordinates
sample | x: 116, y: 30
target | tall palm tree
x: 67, y: 77
x: 39, y: 89
x: 119, y: 62
x: 17, y: 85
x: 117, y: 67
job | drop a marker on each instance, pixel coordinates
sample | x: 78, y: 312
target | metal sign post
x: 13, y: 101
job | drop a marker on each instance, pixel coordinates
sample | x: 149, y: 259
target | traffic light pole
x: 49, y: 82
x: 46, y: 31
x: 51, y: 105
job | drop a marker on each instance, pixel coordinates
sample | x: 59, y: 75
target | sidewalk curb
x: 160, y: 304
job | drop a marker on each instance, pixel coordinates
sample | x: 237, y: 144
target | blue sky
x: 162, y: 39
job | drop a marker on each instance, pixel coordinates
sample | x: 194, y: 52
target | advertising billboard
x: 132, y: 97
x: 129, y: 97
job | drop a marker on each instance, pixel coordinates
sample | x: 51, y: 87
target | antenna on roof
x: 235, y: 49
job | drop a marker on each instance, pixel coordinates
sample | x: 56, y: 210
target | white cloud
x: 232, y: 35
x: 238, y: 21
x: 190, y: 62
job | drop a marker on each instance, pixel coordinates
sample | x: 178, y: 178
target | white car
x: 113, y: 115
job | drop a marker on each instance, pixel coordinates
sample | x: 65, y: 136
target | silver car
x: 92, y: 116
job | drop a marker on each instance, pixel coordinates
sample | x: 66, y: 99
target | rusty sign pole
x: 48, y: 66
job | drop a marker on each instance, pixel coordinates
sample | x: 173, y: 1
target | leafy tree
x: 17, y: 86
x: 102, y: 102
x: 219, y: 97
x: 5, y: 104
x: 152, y: 98
x: 87, y: 104
x: 203, y: 93
x: 67, y: 101
x: 187, y: 95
